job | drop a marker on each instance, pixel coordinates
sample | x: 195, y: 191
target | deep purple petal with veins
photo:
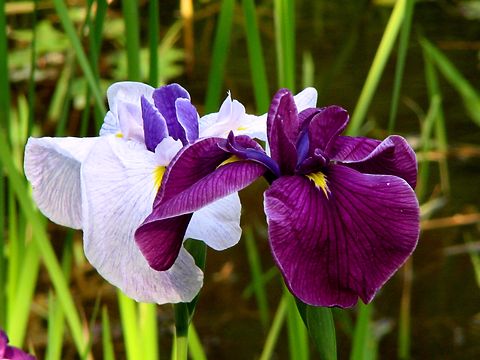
x: 392, y: 156
x: 188, y: 118
x: 325, y: 126
x: 154, y: 125
x: 332, y: 250
x: 195, y: 178
x: 348, y: 149
x: 164, y: 99
x: 283, y: 130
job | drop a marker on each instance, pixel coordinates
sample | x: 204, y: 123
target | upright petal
x: 283, y: 130
x: 154, y: 125
x: 119, y: 186
x: 307, y: 98
x: 52, y: 166
x: 393, y: 156
x: 197, y: 177
x: 325, y: 126
x: 164, y: 99
x: 188, y: 118
x: 350, y: 149
x: 123, y: 92
x: 337, y: 244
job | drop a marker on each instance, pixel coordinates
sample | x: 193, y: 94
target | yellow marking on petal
x: 158, y: 176
x: 119, y: 135
x: 320, y: 181
x: 242, y: 128
x: 231, y: 159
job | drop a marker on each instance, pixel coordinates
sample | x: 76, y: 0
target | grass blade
x: 153, y: 30
x: 274, y: 332
x: 107, y: 343
x: 256, y: 272
x: 221, y: 46
x: 322, y: 330
x: 402, y: 54
x: 284, y: 15
x: 67, y: 24
x: 149, y: 330
x: 194, y: 345
x: 362, y: 336
x: 297, y: 331
x: 255, y: 56
x: 378, y: 65
x: 128, y: 315
x: 132, y: 34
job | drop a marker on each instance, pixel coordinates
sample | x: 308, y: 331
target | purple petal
x: 154, y: 125
x: 194, y: 179
x: 159, y: 241
x: 347, y: 148
x: 188, y: 118
x: 10, y: 352
x: 164, y: 99
x: 393, y: 156
x: 325, y: 126
x: 283, y: 130
x: 335, y: 246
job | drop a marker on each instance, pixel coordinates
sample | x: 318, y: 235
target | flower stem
x: 182, y: 321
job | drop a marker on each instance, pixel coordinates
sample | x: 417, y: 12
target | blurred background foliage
x: 408, y: 67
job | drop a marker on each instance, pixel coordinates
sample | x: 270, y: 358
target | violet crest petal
x: 154, y: 125
x: 187, y: 116
x: 333, y: 249
x: 164, y: 99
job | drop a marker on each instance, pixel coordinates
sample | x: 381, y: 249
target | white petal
x: 217, y: 224
x: 305, y: 99
x: 52, y: 166
x: 118, y: 191
x: 166, y: 150
x: 125, y: 109
x: 230, y: 117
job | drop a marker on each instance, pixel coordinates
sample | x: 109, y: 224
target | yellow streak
x: 320, y: 181
x: 158, y: 176
x: 231, y: 159
x: 119, y: 135
x: 241, y: 128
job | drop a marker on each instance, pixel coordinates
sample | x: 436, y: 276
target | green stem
x: 182, y: 321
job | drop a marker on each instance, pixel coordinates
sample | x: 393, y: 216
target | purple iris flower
x: 8, y: 352
x: 342, y: 213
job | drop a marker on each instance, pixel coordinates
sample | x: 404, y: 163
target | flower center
x: 320, y: 181
x: 158, y: 176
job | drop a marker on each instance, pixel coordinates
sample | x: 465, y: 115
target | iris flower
x: 106, y: 185
x: 8, y: 352
x: 341, y: 211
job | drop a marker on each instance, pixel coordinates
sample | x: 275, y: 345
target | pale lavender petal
x: 283, y: 130
x: 393, y: 156
x: 195, y: 178
x: 154, y: 125
x: 325, y: 126
x: 188, y: 118
x: 52, y: 166
x: 336, y: 245
x: 164, y: 99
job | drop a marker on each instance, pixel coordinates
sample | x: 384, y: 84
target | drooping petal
x: 52, y: 166
x: 393, y: 156
x: 198, y: 176
x: 154, y: 125
x: 120, y: 182
x: 123, y: 92
x: 164, y: 99
x: 342, y: 242
x: 8, y: 352
x: 348, y: 149
x: 325, y: 126
x: 283, y: 130
x: 188, y: 118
